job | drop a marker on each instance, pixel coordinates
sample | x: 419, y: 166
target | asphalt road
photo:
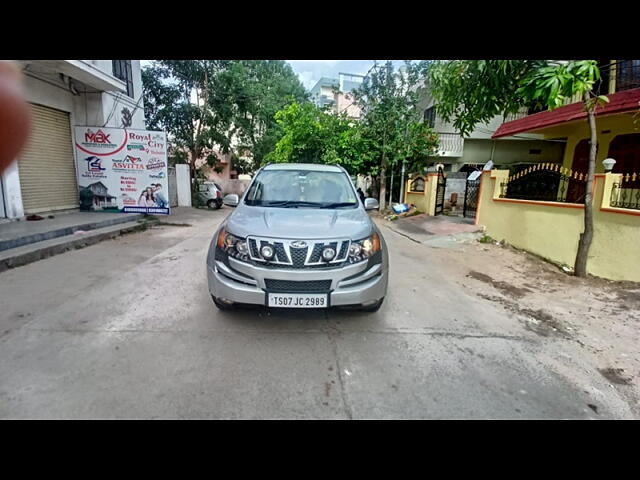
x: 127, y: 329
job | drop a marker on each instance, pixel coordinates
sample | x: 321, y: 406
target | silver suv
x: 299, y: 238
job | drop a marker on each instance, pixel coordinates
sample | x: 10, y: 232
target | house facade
x: 541, y: 209
x: 458, y: 153
x: 618, y: 122
x: 335, y: 93
x: 63, y: 94
x: 220, y: 172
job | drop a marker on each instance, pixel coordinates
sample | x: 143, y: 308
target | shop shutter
x: 46, y: 166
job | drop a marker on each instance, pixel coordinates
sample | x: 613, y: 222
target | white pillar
x: 12, y: 192
x: 183, y: 184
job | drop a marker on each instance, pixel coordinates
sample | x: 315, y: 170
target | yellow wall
x: 552, y: 230
x: 615, y: 251
x: 419, y: 200
x: 424, y: 201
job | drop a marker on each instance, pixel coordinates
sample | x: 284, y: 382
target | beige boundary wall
x: 424, y: 201
x: 552, y: 229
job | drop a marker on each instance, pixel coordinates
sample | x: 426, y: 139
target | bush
x: 486, y: 239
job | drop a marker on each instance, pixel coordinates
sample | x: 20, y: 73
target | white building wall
x: 86, y: 108
x: 12, y: 192
x: 183, y: 184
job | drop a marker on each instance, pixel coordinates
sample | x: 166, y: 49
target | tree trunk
x: 383, y: 176
x: 391, y: 187
x: 374, y: 190
x: 192, y: 165
x: 383, y: 186
x: 580, y: 267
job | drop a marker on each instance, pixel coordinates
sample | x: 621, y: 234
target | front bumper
x: 357, y: 284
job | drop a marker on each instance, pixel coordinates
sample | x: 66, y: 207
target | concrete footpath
x: 23, y: 242
x: 439, y: 232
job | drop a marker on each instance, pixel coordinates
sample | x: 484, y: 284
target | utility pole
x: 391, y: 187
x: 404, y: 160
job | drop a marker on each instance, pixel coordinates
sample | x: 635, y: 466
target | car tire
x: 373, y: 308
x: 213, y: 204
x: 221, y: 306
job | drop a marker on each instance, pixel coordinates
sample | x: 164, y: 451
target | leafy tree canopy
x: 309, y: 134
x: 470, y: 92
x: 228, y: 105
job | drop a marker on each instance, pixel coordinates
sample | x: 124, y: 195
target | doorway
x: 576, y: 189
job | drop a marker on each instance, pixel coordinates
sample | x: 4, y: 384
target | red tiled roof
x: 625, y: 101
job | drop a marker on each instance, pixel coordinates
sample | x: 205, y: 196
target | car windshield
x: 301, y: 188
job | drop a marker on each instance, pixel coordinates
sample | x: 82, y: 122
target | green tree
x: 422, y: 144
x: 309, y: 134
x: 261, y: 88
x: 190, y: 100
x: 470, y: 92
x: 219, y: 104
x: 388, y: 100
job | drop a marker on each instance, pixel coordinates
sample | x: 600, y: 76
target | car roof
x: 304, y: 166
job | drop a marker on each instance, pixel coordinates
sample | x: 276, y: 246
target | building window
x: 625, y: 150
x: 601, y: 87
x: 417, y: 185
x: 627, y: 75
x: 430, y: 116
x: 122, y: 71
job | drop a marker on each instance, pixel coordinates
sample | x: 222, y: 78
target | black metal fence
x: 471, y: 193
x: 546, y: 182
x: 626, y: 193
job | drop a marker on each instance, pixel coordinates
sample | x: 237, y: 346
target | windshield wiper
x: 290, y: 204
x: 338, y: 205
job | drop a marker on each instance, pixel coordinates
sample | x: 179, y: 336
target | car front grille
x: 298, y: 256
x: 288, y: 254
x: 300, y: 286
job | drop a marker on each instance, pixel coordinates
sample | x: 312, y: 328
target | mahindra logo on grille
x: 298, y: 244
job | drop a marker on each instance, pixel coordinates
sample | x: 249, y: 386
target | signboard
x: 125, y: 169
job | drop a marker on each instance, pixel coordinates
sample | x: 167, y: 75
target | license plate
x: 298, y: 300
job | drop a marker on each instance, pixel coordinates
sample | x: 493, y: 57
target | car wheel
x: 373, y: 308
x: 221, y: 305
x: 212, y: 204
x: 218, y: 205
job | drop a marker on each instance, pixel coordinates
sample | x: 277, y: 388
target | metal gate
x: 471, y: 198
x: 441, y: 187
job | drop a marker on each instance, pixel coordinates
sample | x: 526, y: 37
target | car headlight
x: 363, y: 249
x: 233, y: 246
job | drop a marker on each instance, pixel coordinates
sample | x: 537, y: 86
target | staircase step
x: 23, y: 255
x: 10, y: 243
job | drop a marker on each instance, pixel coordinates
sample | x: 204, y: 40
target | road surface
x: 126, y: 329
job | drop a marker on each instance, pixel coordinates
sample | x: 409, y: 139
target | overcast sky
x: 310, y: 71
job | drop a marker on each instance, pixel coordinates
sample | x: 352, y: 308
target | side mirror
x: 231, y: 200
x: 371, y: 204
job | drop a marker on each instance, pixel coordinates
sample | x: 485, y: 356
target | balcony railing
x: 626, y: 193
x: 515, y: 116
x: 450, y: 145
x: 546, y: 182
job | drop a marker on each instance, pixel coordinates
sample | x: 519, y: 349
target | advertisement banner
x: 125, y: 169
